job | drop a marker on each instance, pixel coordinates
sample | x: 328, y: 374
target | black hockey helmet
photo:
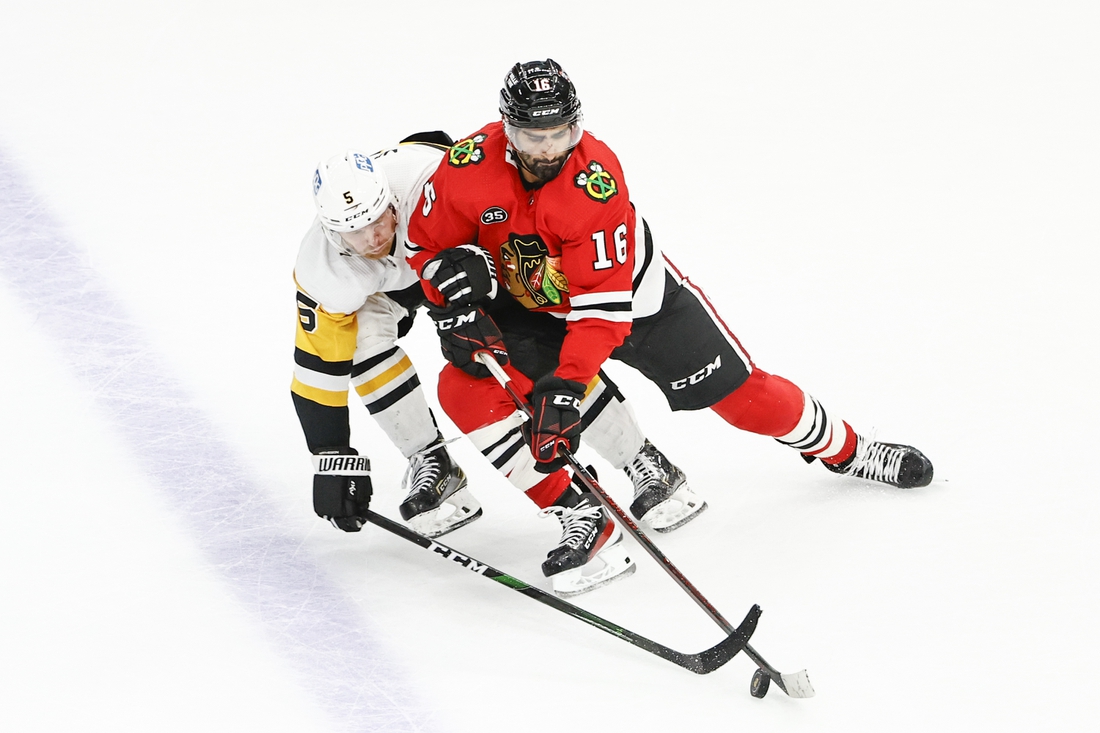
x: 539, y: 94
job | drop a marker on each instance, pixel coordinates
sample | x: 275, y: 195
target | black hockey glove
x: 555, y: 421
x: 462, y: 274
x: 341, y: 487
x: 465, y: 330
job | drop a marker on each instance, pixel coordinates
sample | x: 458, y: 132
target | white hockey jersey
x: 346, y: 323
x: 341, y: 283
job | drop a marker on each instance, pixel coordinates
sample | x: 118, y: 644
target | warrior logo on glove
x: 342, y: 487
x: 343, y: 464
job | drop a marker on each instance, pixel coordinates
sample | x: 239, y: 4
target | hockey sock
x: 610, y: 427
x: 771, y: 405
x: 847, y: 448
x: 553, y: 490
x: 503, y: 445
x: 817, y: 435
x: 390, y: 389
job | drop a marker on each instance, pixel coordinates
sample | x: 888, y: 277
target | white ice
x: 894, y: 205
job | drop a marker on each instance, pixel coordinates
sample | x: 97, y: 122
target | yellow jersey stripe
x: 320, y: 396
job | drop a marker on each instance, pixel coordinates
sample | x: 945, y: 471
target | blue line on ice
x: 306, y: 618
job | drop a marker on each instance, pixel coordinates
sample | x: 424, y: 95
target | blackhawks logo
x: 533, y: 278
x: 597, y: 183
x: 467, y: 151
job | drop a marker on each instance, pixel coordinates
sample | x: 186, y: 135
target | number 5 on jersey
x: 307, y: 313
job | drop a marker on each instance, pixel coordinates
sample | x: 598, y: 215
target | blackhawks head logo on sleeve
x: 597, y: 183
x: 467, y: 151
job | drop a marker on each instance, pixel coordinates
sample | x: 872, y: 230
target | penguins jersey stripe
x: 379, y: 382
x: 328, y: 398
x: 315, y: 363
x: 393, y: 397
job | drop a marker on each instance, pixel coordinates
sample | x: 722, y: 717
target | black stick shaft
x: 591, y: 484
x: 701, y: 663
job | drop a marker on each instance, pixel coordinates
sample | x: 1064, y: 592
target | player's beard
x: 543, y: 170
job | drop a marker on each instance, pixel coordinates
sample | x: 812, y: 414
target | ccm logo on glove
x: 555, y: 422
x: 564, y: 400
x: 463, y: 332
x: 450, y: 324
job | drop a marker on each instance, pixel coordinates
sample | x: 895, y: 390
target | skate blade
x: 457, y: 510
x: 675, y: 511
x: 614, y: 564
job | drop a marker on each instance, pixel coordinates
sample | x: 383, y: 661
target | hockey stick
x: 795, y: 685
x: 701, y: 663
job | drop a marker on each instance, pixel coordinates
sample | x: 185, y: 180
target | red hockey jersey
x: 567, y: 247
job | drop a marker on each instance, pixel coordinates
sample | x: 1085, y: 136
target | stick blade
x: 797, y: 684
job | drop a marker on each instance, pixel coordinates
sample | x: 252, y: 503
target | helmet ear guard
x: 350, y: 191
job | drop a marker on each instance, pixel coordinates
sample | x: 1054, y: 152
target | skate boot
x: 591, y: 552
x: 902, y: 466
x: 662, y: 498
x: 437, y: 501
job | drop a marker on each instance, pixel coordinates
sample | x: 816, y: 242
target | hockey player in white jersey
x: 356, y: 297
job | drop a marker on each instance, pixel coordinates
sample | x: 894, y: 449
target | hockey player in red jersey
x: 356, y: 297
x: 536, y: 207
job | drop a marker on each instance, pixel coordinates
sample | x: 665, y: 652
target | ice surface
x: 892, y: 206
x: 208, y: 487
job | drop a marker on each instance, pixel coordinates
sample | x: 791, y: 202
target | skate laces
x: 576, y: 522
x: 425, y: 468
x: 875, y: 461
x: 645, y: 470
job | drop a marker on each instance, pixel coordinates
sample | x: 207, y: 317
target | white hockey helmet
x: 350, y: 191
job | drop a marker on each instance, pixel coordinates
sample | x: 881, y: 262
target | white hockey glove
x: 342, y: 487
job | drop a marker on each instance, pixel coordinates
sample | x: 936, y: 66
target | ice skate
x: 902, y: 466
x: 438, y: 501
x: 662, y: 498
x: 591, y: 552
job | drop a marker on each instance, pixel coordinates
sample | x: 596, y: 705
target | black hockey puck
x: 760, y: 684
